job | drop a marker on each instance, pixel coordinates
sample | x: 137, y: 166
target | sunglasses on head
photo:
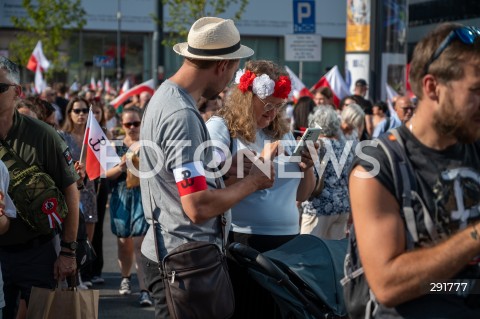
x: 78, y: 111
x: 130, y: 124
x: 267, y: 107
x: 467, y: 35
x: 4, y: 86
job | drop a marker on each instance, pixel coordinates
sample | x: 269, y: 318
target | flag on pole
x: 101, y: 155
x: 99, y: 84
x: 93, y: 85
x: 38, y: 59
x: 297, y: 84
x: 125, y: 87
x: 108, y: 88
x: 334, y: 80
x: 38, y: 63
x: 146, y: 86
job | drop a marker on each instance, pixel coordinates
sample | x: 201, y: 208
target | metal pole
x: 119, y: 53
x: 300, y: 70
x: 157, y: 47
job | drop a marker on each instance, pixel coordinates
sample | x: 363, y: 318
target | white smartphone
x: 311, y: 134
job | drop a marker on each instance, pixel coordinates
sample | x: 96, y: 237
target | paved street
x: 112, y: 305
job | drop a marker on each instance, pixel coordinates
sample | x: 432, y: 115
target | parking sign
x: 304, y: 16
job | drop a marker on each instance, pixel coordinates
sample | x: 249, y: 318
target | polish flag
x: 108, y: 88
x: 391, y: 94
x: 38, y: 63
x: 334, y: 80
x: 101, y: 155
x: 297, y: 84
x: 143, y: 87
x: 99, y: 84
x: 38, y: 59
x: 93, y: 85
x: 125, y: 87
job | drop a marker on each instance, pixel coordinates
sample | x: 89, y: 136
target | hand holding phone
x: 311, y: 134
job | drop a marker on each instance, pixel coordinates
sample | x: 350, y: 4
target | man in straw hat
x: 181, y: 195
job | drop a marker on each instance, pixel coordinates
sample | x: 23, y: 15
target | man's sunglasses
x: 78, y: 111
x: 465, y: 34
x: 130, y: 124
x: 4, y: 87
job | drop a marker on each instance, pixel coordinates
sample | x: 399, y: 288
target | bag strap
x: 10, y: 157
x: 221, y: 220
x: 405, y: 184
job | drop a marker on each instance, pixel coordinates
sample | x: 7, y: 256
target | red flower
x: 282, y: 87
x: 246, y: 81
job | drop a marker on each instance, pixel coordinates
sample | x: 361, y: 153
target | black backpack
x: 359, y: 299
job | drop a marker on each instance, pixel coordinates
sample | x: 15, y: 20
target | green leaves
x: 52, y: 22
x: 182, y: 14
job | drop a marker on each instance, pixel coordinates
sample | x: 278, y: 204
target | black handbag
x: 196, y: 279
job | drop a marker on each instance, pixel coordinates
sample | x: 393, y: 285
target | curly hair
x: 238, y: 109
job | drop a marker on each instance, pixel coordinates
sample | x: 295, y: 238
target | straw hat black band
x: 212, y: 52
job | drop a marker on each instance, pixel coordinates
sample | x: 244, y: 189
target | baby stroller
x: 302, y: 275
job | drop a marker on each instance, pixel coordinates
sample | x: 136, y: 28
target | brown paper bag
x: 63, y: 304
x: 133, y: 180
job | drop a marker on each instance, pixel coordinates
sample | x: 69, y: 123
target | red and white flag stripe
x: 190, y: 178
x: 334, y: 80
x: 98, y: 160
x: 143, y: 87
x: 38, y: 59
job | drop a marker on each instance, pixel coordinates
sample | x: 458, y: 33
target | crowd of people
x: 252, y: 125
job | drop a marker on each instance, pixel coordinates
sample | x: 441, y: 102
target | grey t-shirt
x: 171, y: 120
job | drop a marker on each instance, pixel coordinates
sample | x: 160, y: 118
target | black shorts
x: 30, y: 265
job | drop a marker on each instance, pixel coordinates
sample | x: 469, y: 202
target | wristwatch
x: 71, y: 245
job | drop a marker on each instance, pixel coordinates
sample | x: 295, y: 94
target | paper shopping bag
x: 63, y: 304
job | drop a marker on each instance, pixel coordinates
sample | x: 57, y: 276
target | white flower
x: 238, y: 75
x: 263, y: 86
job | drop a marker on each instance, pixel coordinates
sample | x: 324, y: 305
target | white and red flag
x: 99, y: 84
x: 125, y: 87
x: 334, y: 80
x: 38, y: 63
x: 101, y: 155
x: 38, y: 59
x: 93, y: 84
x: 297, y: 84
x: 146, y: 86
x: 108, y: 88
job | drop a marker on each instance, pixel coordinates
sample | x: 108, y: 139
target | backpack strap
x: 405, y: 183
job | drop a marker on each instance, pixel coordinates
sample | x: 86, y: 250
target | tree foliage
x: 52, y: 22
x: 183, y: 13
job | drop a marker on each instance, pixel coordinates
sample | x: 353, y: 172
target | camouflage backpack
x: 40, y: 204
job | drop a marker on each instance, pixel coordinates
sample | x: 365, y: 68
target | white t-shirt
x: 270, y: 211
x: 10, y: 209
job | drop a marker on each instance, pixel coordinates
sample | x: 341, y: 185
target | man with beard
x: 410, y: 270
x: 181, y: 195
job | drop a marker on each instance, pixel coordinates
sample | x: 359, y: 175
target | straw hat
x: 213, y: 38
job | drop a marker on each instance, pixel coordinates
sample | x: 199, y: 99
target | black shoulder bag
x: 196, y: 279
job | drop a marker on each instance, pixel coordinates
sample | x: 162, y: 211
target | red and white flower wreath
x: 263, y: 85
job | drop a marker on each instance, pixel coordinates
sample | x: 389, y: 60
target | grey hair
x: 13, y: 73
x: 353, y: 115
x: 327, y: 119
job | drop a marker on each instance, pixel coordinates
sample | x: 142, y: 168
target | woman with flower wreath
x: 252, y: 122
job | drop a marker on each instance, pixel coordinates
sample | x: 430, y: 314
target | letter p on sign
x: 303, y: 16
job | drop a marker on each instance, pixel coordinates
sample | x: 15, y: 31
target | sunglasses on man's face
x: 78, y: 111
x: 4, y: 87
x: 467, y: 35
x: 130, y: 124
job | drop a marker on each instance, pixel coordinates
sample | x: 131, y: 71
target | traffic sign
x: 102, y: 61
x: 304, y: 16
x: 303, y: 47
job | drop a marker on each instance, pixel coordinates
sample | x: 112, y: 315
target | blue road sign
x: 303, y: 16
x: 103, y: 61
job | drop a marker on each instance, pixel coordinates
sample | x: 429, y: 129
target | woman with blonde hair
x: 252, y: 122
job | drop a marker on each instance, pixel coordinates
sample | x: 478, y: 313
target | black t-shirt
x: 365, y: 104
x: 439, y: 197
